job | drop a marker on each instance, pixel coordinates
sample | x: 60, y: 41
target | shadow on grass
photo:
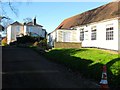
x: 114, y: 79
x: 67, y: 51
x: 64, y: 56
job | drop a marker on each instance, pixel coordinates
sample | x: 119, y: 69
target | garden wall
x: 67, y: 45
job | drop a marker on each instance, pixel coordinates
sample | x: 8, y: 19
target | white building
x: 99, y: 27
x: 17, y: 29
x: 13, y: 31
x: 51, y: 38
x: 102, y: 34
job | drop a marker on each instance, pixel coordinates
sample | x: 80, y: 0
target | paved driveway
x: 24, y: 68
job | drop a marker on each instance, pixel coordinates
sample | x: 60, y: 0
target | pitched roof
x: 108, y: 11
x: 28, y: 24
x: 31, y: 24
x: 16, y: 23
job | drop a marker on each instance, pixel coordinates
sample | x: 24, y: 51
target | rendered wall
x: 72, y: 37
x: 101, y: 41
x: 8, y: 34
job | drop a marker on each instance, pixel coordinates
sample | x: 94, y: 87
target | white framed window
x: 93, y: 33
x: 82, y: 34
x: 109, y: 33
x: 86, y: 35
x: 18, y: 29
x: 66, y: 36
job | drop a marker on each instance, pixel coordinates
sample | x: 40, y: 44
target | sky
x: 48, y: 14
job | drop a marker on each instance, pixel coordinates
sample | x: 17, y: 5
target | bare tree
x: 3, y: 12
x: 6, y: 22
x: 4, y: 17
x: 10, y: 5
x: 26, y: 20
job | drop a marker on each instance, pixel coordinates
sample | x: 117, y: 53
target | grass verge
x: 89, y: 62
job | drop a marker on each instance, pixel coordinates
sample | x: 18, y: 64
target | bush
x: 43, y: 44
x: 13, y: 43
x: 26, y: 39
x: 4, y: 41
x: 44, y: 41
x: 36, y: 44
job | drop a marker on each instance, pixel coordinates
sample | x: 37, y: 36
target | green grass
x: 89, y: 62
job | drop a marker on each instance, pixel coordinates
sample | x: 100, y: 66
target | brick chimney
x: 34, y: 21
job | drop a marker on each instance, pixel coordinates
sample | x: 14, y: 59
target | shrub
x: 36, y: 43
x: 26, y: 39
x: 13, y: 43
x: 4, y: 41
x: 44, y: 41
x: 43, y: 44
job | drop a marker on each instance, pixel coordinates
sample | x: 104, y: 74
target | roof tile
x: 108, y: 11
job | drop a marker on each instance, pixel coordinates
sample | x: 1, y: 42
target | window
x: 66, y: 36
x: 17, y: 29
x: 109, y: 33
x: 56, y: 36
x: 93, y: 33
x: 86, y: 35
x: 81, y: 34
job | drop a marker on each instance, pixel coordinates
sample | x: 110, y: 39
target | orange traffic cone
x: 104, y: 82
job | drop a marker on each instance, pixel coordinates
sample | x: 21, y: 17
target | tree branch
x: 12, y: 8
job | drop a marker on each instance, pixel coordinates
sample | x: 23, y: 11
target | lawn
x: 89, y: 62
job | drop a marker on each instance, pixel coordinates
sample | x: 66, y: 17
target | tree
x: 5, y: 22
x: 3, y: 14
x: 26, y: 20
x: 3, y: 17
x: 10, y: 5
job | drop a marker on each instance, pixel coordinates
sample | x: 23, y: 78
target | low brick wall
x: 67, y: 45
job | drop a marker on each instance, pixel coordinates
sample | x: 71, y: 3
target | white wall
x: 51, y: 38
x: 71, y: 35
x: 101, y: 41
x: 34, y: 29
x: 12, y: 32
x: 9, y: 34
x: 25, y: 30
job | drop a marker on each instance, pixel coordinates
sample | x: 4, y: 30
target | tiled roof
x: 16, y: 23
x: 28, y: 24
x: 31, y: 24
x: 108, y: 11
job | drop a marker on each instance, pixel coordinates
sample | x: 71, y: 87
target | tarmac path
x: 24, y: 68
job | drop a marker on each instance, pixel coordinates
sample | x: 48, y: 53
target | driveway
x: 24, y: 68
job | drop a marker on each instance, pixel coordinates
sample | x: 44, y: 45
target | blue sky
x: 49, y: 14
